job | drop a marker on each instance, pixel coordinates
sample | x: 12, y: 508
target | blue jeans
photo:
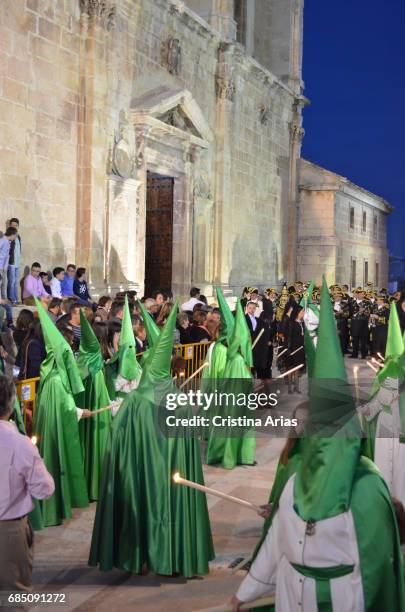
x: 13, y: 276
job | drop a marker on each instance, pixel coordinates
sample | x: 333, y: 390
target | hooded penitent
x: 384, y: 413
x: 334, y: 542
x: 93, y: 431
x: 152, y: 331
x: 142, y: 516
x: 228, y: 446
x: 123, y: 370
x: 56, y: 427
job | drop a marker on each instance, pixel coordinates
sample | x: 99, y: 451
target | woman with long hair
x: 32, y: 352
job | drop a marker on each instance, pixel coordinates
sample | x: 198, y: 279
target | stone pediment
x: 175, y: 109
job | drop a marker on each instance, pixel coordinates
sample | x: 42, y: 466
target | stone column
x: 296, y: 136
x: 225, y: 87
x: 222, y: 18
x: 121, y: 226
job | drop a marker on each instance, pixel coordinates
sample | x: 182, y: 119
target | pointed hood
x: 331, y: 443
x: 152, y: 330
x: 129, y: 367
x: 157, y: 367
x: 394, y: 360
x: 90, y: 359
x: 59, y: 354
x: 227, y: 318
x: 241, y: 337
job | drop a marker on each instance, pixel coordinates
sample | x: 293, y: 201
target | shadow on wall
x: 255, y: 260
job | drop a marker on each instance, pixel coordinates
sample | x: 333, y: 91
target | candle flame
x: 34, y: 440
x: 176, y: 477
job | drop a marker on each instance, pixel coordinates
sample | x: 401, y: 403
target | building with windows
x: 342, y: 229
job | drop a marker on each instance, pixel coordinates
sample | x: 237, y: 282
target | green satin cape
x: 381, y: 559
x: 234, y: 447
x: 142, y: 515
x: 56, y: 426
x: 94, y: 430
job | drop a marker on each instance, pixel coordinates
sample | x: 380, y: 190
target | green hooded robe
x: 56, y: 426
x: 93, y: 431
x: 142, y: 516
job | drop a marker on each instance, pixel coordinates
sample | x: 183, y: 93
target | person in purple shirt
x: 23, y: 475
x: 9, y: 235
x: 67, y: 282
x: 33, y: 286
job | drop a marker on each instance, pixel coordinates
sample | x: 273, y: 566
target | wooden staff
x: 290, y: 371
x: 282, y: 353
x: 257, y: 338
x: 204, y: 365
x: 380, y: 365
x: 296, y: 350
x: 256, y: 603
x: 236, y: 500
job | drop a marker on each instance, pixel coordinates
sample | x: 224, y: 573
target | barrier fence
x: 187, y: 360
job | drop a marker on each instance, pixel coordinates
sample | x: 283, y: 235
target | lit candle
x: 291, y: 371
x: 380, y: 356
x: 356, y: 381
x: 34, y: 440
x: 236, y: 500
x: 371, y: 366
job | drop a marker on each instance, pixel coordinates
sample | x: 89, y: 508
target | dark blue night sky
x: 354, y: 73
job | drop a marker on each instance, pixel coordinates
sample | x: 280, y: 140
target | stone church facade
x: 155, y: 142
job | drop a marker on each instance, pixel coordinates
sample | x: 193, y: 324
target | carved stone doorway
x: 159, y: 233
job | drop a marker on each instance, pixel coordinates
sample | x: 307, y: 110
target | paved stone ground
x: 61, y: 552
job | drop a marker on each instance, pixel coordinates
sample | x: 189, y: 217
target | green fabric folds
x: 142, y: 515
x: 227, y: 318
x: 309, y: 353
x: 152, y: 331
x: 56, y: 427
x: 230, y: 447
x: 93, y: 431
x: 331, y: 432
x: 322, y: 577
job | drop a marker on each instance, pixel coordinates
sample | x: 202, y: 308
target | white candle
x: 371, y: 366
x: 290, y: 371
x: 380, y: 365
x: 281, y: 353
x: 34, y: 440
x: 296, y: 350
x: 356, y: 381
x: 194, y: 485
x: 380, y: 356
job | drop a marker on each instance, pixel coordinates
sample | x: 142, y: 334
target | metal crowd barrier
x: 27, y: 393
x: 188, y: 358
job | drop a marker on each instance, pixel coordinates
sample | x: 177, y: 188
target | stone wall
x: 327, y: 242
x: 72, y: 74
